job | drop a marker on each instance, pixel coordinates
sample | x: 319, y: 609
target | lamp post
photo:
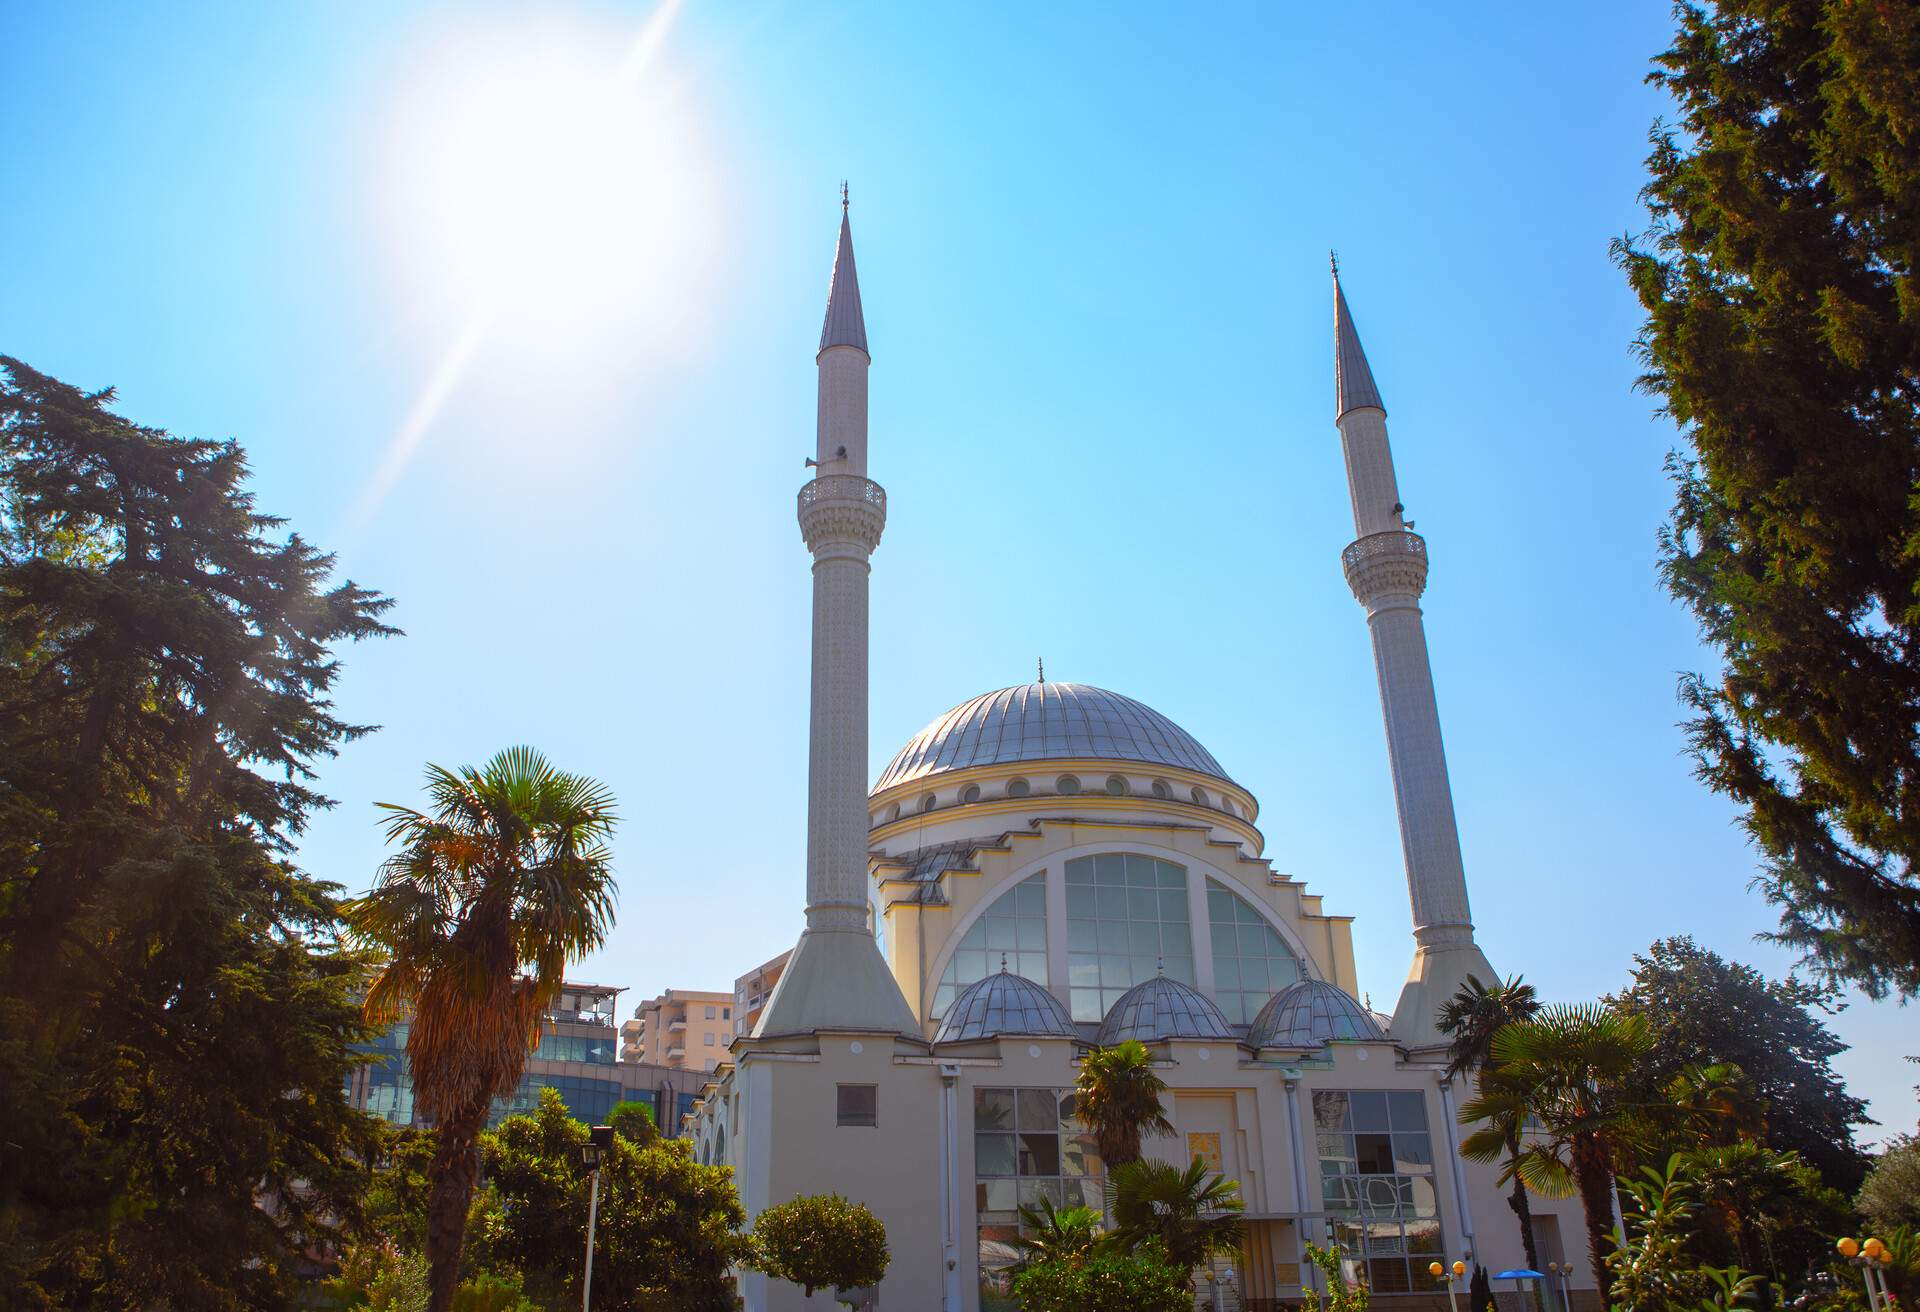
x: 1450, y: 1274
x: 597, y: 1147
x: 1869, y: 1257
x: 1562, y: 1274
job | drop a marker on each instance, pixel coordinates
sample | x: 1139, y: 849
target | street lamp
x: 1450, y: 1275
x: 1869, y: 1257
x: 597, y: 1148
x: 1563, y: 1274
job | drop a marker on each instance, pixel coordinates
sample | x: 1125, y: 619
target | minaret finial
x: 1041, y: 661
x: 843, y: 195
x: 1333, y: 258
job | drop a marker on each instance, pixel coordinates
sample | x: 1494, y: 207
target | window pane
x: 1409, y: 1111
x: 1369, y: 1111
x: 1411, y: 1153
x: 993, y: 1109
x: 993, y: 1154
x: 1037, y: 1109
x: 1330, y: 1111
x: 1375, y: 1153
x: 1040, y: 1154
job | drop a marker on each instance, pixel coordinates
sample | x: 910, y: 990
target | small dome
x: 1004, y: 1004
x: 1047, y: 722
x: 1310, y: 1014
x: 1163, y: 1008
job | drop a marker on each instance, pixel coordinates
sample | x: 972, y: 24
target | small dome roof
x: 1004, y: 1004
x: 1310, y: 1014
x: 1163, y: 1008
x: 1047, y: 722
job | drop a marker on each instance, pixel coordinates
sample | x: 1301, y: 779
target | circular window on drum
x: 1251, y: 962
x: 1013, y: 928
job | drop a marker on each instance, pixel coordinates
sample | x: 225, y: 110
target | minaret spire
x: 836, y: 978
x: 1386, y: 566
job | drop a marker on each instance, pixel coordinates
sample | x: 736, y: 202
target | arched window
x: 1067, y: 783
x: 971, y: 793
x: 1018, y: 788
x: 926, y: 803
x: 1126, y: 920
x: 1199, y: 796
x: 1160, y: 789
x: 1014, y: 926
x: 893, y: 813
x: 1116, y: 785
x: 1251, y: 962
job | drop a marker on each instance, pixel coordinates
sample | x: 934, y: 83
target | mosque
x: 1053, y: 866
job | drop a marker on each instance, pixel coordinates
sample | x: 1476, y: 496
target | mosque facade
x: 1053, y: 866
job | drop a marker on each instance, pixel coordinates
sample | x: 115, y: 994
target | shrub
x: 1140, y: 1281
x: 820, y: 1241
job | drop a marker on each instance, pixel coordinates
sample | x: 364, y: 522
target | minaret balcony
x: 842, y: 508
x: 1381, y: 565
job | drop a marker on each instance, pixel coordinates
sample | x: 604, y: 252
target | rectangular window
x: 726, y: 1013
x: 1028, y: 1146
x: 709, y: 1038
x: 857, y: 1104
x: 710, y: 1012
x: 1126, y: 922
x: 1376, y: 1184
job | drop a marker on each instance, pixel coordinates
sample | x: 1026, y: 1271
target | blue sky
x: 564, y: 431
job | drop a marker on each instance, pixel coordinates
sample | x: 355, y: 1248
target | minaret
x: 836, y: 978
x: 1386, y: 567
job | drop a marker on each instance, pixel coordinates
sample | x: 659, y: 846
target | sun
x: 548, y: 178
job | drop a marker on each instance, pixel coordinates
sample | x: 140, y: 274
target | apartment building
x: 751, y: 991
x: 681, y: 1030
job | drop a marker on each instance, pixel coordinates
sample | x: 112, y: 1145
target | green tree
x: 1118, y: 1099
x: 821, y: 1241
x: 494, y: 889
x: 1763, y: 1211
x: 1189, y: 1215
x: 1340, y: 1296
x: 1891, y: 1195
x: 1470, y: 1019
x: 1568, y: 1066
x: 668, y: 1232
x: 1104, y: 1281
x: 1783, y: 337
x: 1656, y: 1269
x: 176, y: 1016
x: 634, y: 1120
x: 1703, y: 1010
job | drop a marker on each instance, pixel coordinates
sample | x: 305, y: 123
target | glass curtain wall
x: 1015, y: 927
x: 1126, y: 921
x: 1251, y: 962
x: 1028, y: 1145
x: 1376, y: 1184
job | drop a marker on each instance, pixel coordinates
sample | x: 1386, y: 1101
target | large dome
x: 1047, y: 722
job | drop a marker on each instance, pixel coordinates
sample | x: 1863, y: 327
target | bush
x: 820, y: 1241
x: 1891, y: 1195
x: 1140, y: 1281
x: 633, y: 1120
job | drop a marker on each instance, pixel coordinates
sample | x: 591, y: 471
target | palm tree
x: 502, y: 881
x: 1717, y: 1106
x: 1472, y: 1017
x: 1051, y: 1235
x: 1118, y: 1099
x: 1566, y: 1066
x: 1193, y: 1216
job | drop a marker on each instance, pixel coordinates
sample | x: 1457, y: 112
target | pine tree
x: 1783, y: 336
x: 175, y: 1020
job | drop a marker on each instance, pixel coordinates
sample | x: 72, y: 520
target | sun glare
x: 549, y: 179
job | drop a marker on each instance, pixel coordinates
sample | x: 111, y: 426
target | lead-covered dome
x: 1311, y: 1014
x: 1163, y: 1008
x: 1004, y: 1004
x: 1047, y: 722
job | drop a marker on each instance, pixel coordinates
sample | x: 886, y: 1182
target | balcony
x: 677, y: 1025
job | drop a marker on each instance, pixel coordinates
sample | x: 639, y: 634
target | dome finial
x: 1003, y: 963
x: 1041, y: 661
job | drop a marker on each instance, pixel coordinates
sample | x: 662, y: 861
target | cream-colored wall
x: 658, y: 1037
x: 892, y: 1167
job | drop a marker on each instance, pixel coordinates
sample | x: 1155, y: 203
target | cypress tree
x: 1783, y: 337
x: 175, y: 1017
